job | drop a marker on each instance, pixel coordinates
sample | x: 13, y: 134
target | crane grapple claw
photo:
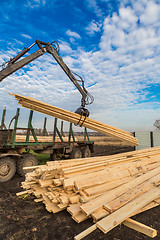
x: 82, y: 111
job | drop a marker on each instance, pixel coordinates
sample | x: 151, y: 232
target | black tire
x: 27, y: 160
x: 86, y: 152
x: 76, y: 153
x: 7, y: 169
x: 53, y: 156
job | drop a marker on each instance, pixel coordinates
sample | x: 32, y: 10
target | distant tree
x: 157, y: 124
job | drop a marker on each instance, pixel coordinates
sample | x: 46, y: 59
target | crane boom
x: 11, y: 68
x: 13, y: 65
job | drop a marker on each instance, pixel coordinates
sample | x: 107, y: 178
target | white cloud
x: 26, y: 36
x: 92, y: 4
x: 65, y: 47
x: 151, y: 13
x: 128, y: 15
x: 72, y: 34
x: 93, y: 27
x: 125, y: 65
x: 35, y: 3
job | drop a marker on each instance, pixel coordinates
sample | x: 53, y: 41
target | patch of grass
x: 42, y: 158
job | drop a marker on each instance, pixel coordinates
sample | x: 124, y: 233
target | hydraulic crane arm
x: 13, y: 65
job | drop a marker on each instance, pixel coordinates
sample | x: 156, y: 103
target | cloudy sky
x: 113, y: 45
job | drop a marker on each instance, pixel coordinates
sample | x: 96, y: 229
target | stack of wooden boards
x: 110, y: 189
x: 22, y: 138
x: 75, y: 118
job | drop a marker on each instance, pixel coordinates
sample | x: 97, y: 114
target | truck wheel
x: 7, y: 169
x: 76, y: 153
x: 27, y: 160
x: 53, y: 156
x: 86, y: 152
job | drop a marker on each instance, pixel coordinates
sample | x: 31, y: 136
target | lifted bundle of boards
x: 110, y: 189
x: 75, y: 118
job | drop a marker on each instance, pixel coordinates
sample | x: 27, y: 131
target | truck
x: 15, y: 154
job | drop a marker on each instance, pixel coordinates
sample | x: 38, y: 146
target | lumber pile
x: 109, y: 189
x: 22, y: 138
x: 75, y: 118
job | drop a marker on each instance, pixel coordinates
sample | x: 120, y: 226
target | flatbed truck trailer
x: 15, y: 155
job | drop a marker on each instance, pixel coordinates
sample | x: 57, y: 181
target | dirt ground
x: 23, y: 219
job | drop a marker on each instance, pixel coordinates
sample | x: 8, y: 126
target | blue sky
x: 113, y: 45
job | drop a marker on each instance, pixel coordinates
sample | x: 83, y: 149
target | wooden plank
x: 98, y: 202
x: 128, y: 139
x: 122, y: 199
x: 133, y: 167
x: 82, y: 179
x: 94, y: 190
x: 62, y: 206
x: 74, y: 199
x: 58, y: 182
x: 118, y: 157
x: 74, y: 209
x: 85, y: 232
x: 38, y: 199
x: 150, y: 205
x: 129, y: 223
x: 50, y: 206
x: 99, y: 214
x: 108, y: 177
x: 45, y: 183
x: 23, y: 192
x: 140, y: 227
x: 31, y: 167
x: 101, y: 167
x: 115, y: 160
x: 74, y: 118
x: 39, y: 192
x: 22, y: 138
x: 80, y: 217
x: 47, y: 106
x: 117, y: 217
x: 40, y: 103
x: 70, y: 118
x: 85, y: 199
x: 64, y: 200
x: 113, y: 196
